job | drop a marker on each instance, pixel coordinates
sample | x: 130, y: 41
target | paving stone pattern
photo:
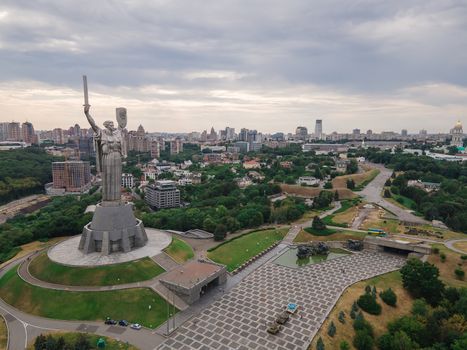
x: 239, y: 319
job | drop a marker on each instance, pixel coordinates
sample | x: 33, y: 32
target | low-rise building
x: 308, y: 180
x: 128, y: 180
x: 251, y: 164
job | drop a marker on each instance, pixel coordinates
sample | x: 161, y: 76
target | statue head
x: 121, y: 117
x: 109, y: 125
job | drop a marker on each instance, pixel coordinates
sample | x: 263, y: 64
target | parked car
x: 123, y: 323
x: 135, y: 326
x: 108, y: 320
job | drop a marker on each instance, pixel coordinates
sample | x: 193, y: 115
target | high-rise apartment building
x: 163, y: 194
x: 14, y: 132
x: 404, y: 133
x: 155, y: 149
x: 4, y: 131
x: 301, y: 133
x: 128, y: 180
x: 28, y: 134
x: 243, y: 135
x: 71, y: 176
x: 137, y: 140
x: 319, y: 129
x: 176, y: 146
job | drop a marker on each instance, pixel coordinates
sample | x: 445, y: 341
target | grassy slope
x: 129, y: 304
x: 304, y: 236
x: 344, y: 193
x: 110, y: 344
x: 461, y: 245
x: 446, y: 269
x: 345, y: 331
x: 3, y: 334
x: 179, y: 250
x: 134, y: 271
x: 360, y: 179
x: 235, y: 252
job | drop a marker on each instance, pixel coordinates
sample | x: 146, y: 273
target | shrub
x: 464, y: 257
x: 328, y: 185
x: 389, y: 297
x: 332, y: 329
x: 363, y: 341
x: 419, y: 307
x: 344, y: 345
x: 319, y: 344
x: 318, y: 224
x: 368, y: 289
x: 368, y: 303
x: 385, y: 342
x: 387, y: 193
x: 442, y: 257
x: 360, y: 324
x: 341, y: 317
x: 353, y: 315
x: 459, y: 273
x: 373, y: 292
x: 354, y: 307
x: 350, y: 184
x: 436, y: 250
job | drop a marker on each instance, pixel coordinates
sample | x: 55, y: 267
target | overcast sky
x: 269, y: 65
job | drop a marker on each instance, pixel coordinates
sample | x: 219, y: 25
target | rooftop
x: 191, y: 273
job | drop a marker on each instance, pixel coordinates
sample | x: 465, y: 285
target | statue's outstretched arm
x: 90, y: 120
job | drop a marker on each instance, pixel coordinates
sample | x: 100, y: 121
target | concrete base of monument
x: 113, y: 228
x: 67, y: 252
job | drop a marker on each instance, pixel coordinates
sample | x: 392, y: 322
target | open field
x: 345, y: 331
x: 32, y: 247
x: 70, y: 338
x: 361, y: 179
x: 236, y: 251
x: 343, y: 235
x: 388, y: 225
x: 302, y: 191
x: 3, y: 334
x: 446, y: 269
x: 461, y: 245
x: 179, y: 250
x: 128, y: 304
x: 133, y: 271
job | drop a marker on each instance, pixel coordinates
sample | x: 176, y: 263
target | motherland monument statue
x: 114, y: 227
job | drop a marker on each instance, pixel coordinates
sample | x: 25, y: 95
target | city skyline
x: 184, y: 67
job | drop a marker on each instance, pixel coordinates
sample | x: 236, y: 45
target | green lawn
x: 237, y: 251
x: 70, y: 338
x: 345, y: 205
x: 179, y: 250
x: 134, y: 271
x: 128, y: 304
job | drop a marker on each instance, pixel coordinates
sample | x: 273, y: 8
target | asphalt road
x: 372, y: 193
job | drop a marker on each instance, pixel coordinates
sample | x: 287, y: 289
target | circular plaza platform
x: 67, y: 252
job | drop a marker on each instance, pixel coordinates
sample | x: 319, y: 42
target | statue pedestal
x: 113, y: 228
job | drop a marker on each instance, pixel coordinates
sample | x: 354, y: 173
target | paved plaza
x: 238, y: 320
x: 67, y: 252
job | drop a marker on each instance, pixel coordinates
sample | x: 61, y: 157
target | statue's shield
x: 121, y: 117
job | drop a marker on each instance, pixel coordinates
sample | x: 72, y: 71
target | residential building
x: 4, y: 131
x: 176, y: 146
x: 70, y: 177
x: 28, y: 134
x: 301, y: 133
x: 163, y: 194
x: 243, y: 146
x: 14, y: 132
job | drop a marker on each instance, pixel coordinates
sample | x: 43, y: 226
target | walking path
x: 450, y: 245
x: 372, y: 194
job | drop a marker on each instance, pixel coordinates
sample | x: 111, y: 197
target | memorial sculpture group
x: 305, y: 251
x: 114, y: 227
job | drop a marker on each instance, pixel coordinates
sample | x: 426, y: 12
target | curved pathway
x: 372, y: 194
x: 450, y: 244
